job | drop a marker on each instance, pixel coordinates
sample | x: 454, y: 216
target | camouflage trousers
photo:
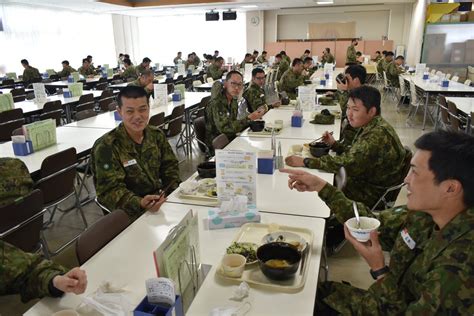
x: 335, y: 298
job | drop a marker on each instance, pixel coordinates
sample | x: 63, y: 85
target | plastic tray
x: 254, y: 232
x: 263, y: 133
x: 198, y: 196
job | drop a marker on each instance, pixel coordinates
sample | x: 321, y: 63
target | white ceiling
x: 239, y: 5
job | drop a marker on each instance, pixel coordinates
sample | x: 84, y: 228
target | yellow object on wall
x: 437, y: 10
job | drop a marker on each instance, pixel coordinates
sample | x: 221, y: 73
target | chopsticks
x: 318, y: 139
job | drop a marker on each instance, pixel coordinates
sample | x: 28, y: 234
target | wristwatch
x: 375, y: 274
x: 306, y: 162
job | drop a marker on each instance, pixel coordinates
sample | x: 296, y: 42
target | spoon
x: 356, y: 212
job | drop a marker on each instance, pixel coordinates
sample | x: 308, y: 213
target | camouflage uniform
x: 15, y: 180
x: 374, y: 162
x: 382, y: 66
x: 221, y: 117
x: 196, y: 61
x: 151, y: 166
x: 348, y: 132
x: 137, y: 83
x: 435, y: 278
x: 393, y: 71
x: 87, y: 72
x: 31, y: 74
x: 130, y: 72
x: 282, y: 67
x: 351, y: 54
x: 255, y: 97
x: 66, y: 72
x: 214, y: 72
x: 327, y: 59
x: 261, y: 59
x: 140, y: 69
x: 177, y: 60
x: 290, y: 81
x: 287, y: 58
x: 27, y: 274
x: 378, y: 58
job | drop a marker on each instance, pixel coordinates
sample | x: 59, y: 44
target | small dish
x: 188, y: 187
x: 288, y: 237
x: 246, y: 249
x: 233, y: 265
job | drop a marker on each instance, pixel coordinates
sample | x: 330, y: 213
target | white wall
x: 126, y: 36
x: 415, y: 40
x: 372, y: 21
x: 255, y: 31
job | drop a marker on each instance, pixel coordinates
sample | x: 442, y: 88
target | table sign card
x: 40, y: 93
x: 248, y: 72
x: 76, y: 89
x: 110, y: 72
x: 75, y: 76
x: 6, y: 102
x: 42, y: 134
x: 50, y: 72
x: 236, y: 174
x: 420, y: 69
x: 181, y: 88
x: 11, y: 75
x: 328, y: 68
x: 307, y: 97
x: 160, y: 91
x: 181, y: 69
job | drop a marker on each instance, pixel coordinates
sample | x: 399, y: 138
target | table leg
x: 187, y: 132
x: 68, y: 113
x: 427, y: 96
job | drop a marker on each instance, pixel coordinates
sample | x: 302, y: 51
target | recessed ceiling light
x: 325, y: 2
x: 250, y: 6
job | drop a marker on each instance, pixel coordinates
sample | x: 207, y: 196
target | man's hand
x: 75, y: 281
x: 256, y: 115
x: 294, y: 161
x: 276, y: 104
x: 328, y: 138
x: 303, y: 181
x: 341, y: 86
x: 152, y: 203
x: 150, y: 86
x: 370, y: 250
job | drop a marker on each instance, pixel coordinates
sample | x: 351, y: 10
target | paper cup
x: 233, y: 265
x: 160, y: 291
x: 367, y: 225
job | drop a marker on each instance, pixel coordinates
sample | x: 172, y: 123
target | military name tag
x: 407, y: 239
x: 129, y: 163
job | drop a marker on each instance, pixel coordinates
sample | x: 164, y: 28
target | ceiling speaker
x: 212, y: 16
x: 229, y: 15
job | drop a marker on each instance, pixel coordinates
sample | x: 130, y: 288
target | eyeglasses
x: 236, y: 84
x: 260, y: 78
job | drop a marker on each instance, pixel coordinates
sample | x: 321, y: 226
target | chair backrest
x: 443, y: 108
x: 197, y: 83
x: 439, y: 74
x: 467, y: 82
x: 7, y: 82
x: 200, y: 111
x: 21, y: 222
x: 402, y: 85
x: 157, y: 120
x: 175, y: 123
x: 200, y: 130
x: 210, y: 80
x: 188, y: 83
x: 220, y: 141
x: 170, y: 88
x: 55, y: 115
x: 106, y: 98
x: 341, y: 178
x: 7, y: 128
x: 433, y: 71
x: 455, y: 119
x: 52, y: 106
x: 413, y: 95
x: 448, y: 76
x: 18, y: 94
x: 100, y: 234
x: 81, y: 115
x: 11, y: 115
x: 57, y: 175
x: 86, y: 102
x: 455, y: 78
x: 101, y: 86
x: 385, y: 81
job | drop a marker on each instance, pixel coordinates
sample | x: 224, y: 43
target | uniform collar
x: 128, y: 143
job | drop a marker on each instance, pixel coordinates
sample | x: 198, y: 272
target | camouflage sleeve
x: 215, y: 72
x: 351, y: 54
x: 110, y: 184
x: 169, y: 169
x: 26, y: 76
x: 254, y: 99
x: 25, y: 273
x: 15, y: 180
x: 226, y: 125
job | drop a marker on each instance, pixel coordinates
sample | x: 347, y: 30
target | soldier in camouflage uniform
x: 351, y: 52
x: 86, y: 70
x: 306, y: 54
x: 222, y: 111
x: 30, y: 74
x: 285, y: 57
x: 255, y: 94
x: 130, y: 70
x: 309, y: 68
x: 430, y: 240
x: 189, y: 61
x: 196, y: 60
x: 178, y: 59
x: 134, y: 162
x: 378, y: 57
x: 281, y: 65
x: 383, y: 63
x: 247, y: 60
x: 15, y: 180
x: 292, y: 79
x: 327, y: 57
x: 66, y: 71
x: 145, y: 65
x: 215, y: 70
x: 394, y: 69
x: 375, y: 161
x: 31, y: 276
x: 262, y: 58
x: 145, y: 81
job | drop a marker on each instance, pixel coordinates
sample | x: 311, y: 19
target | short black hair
x: 283, y: 52
x: 85, y: 60
x: 89, y: 57
x: 146, y: 73
x: 377, y: 52
x: 384, y: 52
x: 369, y: 96
x: 358, y: 53
x: 127, y: 61
x: 216, y: 51
x: 264, y: 52
x: 278, y: 56
x: 66, y: 62
x: 357, y: 71
x: 248, y: 55
x: 25, y: 62
x: 307, y: 51
x: 328, y: 49
x: 308, y: 59
x: 354, y: 39
x: 351, y: 63
x: 233, y: 72
x: 257, y: 71
x: 389, y: 54
x: 146, y: 60
x: 179, y: 53
x: 220, y: 59
x: 126, y: 56
x: 131, y: 92
x: 296, y: 61
x: 452, y: 154
x: 120, y: 55
x: 255, y: 52
x: 400, y: 57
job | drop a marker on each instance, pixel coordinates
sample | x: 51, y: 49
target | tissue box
x: 67, y: 94
x: 426, y: 76
x: 70, y: 79
x: 23, y: 149
x: 445, y: 83
x: 146, y: 309
x: 232, y: 219
x: 176, y: 96
x: 322, y: 82
x: 117, y: 116
x: 265, y: 165
x: 326, y: 76
x: 296, y: 121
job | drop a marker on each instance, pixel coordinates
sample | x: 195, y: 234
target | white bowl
x: 233, y: 265
x: 188, y: 187
x: 367, y: 225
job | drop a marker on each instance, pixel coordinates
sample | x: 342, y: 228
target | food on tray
x: 246, y: 249
x: 277, y: 263
x: 270, y: 129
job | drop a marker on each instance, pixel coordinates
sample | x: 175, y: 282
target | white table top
x: 124, y: 264
x: 465, y: 105
x: 79, y: 138
x: 273, y: 194
x: 307, y: 131
x: 31, y: 106
x: 65, y: 83
x: 427, y: 86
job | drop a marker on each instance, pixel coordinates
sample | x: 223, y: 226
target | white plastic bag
x: 108, y: 300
